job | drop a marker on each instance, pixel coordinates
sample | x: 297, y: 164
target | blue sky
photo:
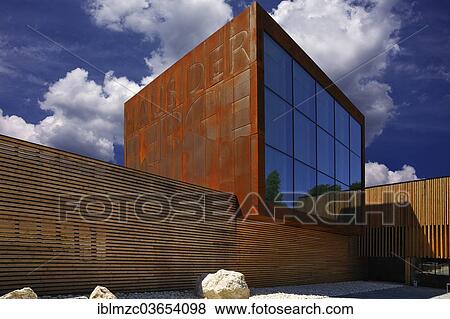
x: 419, y: 134
x: 49, y: 96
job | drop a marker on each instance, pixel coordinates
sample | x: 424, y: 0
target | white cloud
x: 86, y: 117
x: 378, y: 174
x: 178, y: 25
x: 15, y: 126
x: 342, y: 35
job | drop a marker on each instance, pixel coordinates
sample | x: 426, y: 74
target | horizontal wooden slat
x: 56, y: 255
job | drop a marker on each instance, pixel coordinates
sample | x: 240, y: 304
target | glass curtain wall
x: 312, y: 144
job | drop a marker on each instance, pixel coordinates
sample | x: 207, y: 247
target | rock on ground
x: 225, y: 284
x: 24, y: 293
x: 102, y: 293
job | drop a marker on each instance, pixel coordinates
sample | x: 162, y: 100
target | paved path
x: 405, y: 292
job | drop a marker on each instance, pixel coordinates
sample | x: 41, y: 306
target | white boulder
x: 102, y: 293
x: 225, y: 284
x: 24, y: 293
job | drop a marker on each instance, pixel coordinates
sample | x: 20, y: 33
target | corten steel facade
x: 203, y: 120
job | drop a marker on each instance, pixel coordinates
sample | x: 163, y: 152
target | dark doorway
x: 386, y: 269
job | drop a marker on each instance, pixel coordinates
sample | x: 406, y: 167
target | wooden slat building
x: 69, y: 223
x: 407, y: 222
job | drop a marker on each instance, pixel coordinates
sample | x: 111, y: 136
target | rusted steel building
x: 247, y: 111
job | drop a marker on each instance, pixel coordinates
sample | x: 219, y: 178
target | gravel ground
x: 175, y: 294
x: 320, y: 290
x: 315, y: 291
x: 443, y: 296
x: 282, y: 292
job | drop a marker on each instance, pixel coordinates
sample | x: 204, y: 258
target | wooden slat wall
x: 272, y: 254
x: 57, y: 254
x: 420, y: 227
x: 39, y: 249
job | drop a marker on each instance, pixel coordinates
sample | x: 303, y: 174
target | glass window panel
x: 346, y: 205
x: 278, y: 121
x: 304, y: 92
x: 304, y: 180
x: 278, y: 169
x: 355, y: 136
x: 325, y: 152
x: 442, y: 268
x: 277, y: 69
x: 342, y: 125
x: 324, y: 184
x: 429, y: 267
x: 355, y: 172
x: 304, y: 139
x: 325, y: 110
x: 341, y: 187
x: 342, y: 163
